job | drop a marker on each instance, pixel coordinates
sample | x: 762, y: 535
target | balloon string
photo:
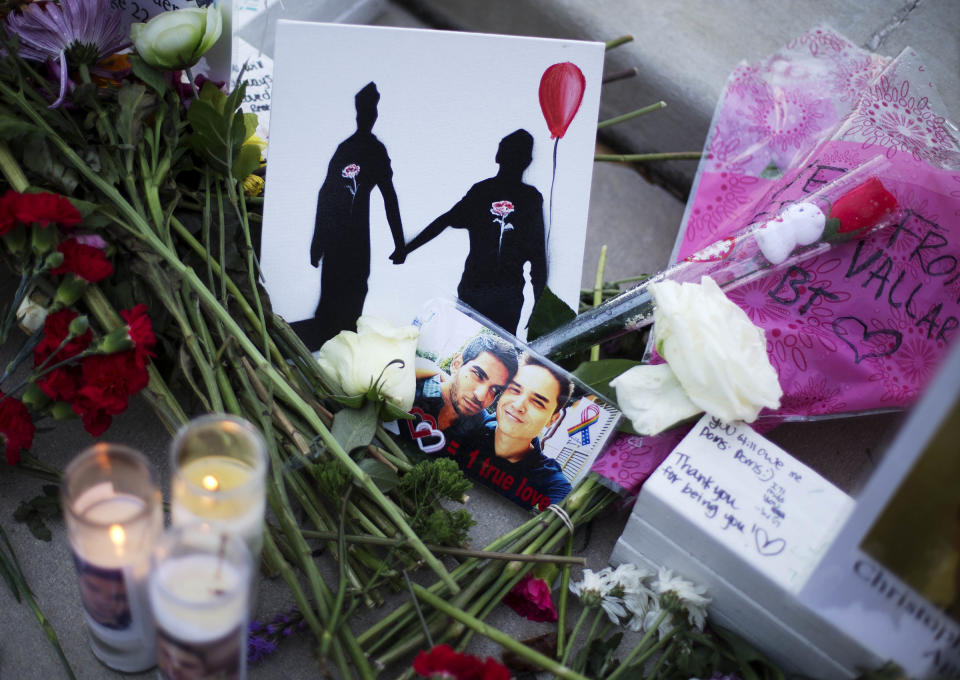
x: 553, y: 180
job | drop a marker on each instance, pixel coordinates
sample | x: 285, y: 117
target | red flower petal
x: 443, y: 662
x: 16, y: 428
x: 863, y: 206
x: 83, y: 261
x: 45, y: 208
x: 531, y: 599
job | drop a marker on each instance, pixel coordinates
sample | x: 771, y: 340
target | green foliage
x: 37, y: 510
x: 382, y: 474
x: 355, y: 427
x: 331, y: 478
x: 135, y: 105
x: 220, y: 129
x: 597, y: 659
x: 423, y: 486
x: 598, y: 374
x: 549, y: 313
x: 432, y: 480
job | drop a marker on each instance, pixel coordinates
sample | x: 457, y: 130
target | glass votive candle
x: 113, y: 513
x: 199, y: 591
x: 219, y: 465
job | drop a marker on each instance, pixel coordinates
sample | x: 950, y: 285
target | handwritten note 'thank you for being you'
x: 752, y: 498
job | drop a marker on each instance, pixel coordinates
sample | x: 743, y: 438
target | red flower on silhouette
x: 530, y: 598
x: 443, y: 662
x: 83, y: 261
x: 501, y: 208
x: 16, y: 428
x: 863, y: 207
x: 351, y: 171
x: 61, y: 383
x: 44, y: 209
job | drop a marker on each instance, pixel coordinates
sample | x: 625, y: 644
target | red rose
x: 46, y: 208
x: 443, y: 662
x: 530, y: 598
x: 862, y: 207
x: 16, y: 428
x: 83, y: 261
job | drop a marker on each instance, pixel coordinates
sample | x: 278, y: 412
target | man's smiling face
x: 477, y: 383
x: 528, y: 403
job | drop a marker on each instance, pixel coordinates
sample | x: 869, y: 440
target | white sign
x: 752, y: 497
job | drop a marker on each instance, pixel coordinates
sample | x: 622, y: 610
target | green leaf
x: 382, y: 474
x: 246, y: 162
x: 12, y: 127
x: 355, y: 427
x: 250, y: 123
x: 598, y: 374
x: 135, y: 103
x: 390, y: 411
x: 148, y: 74
x: 549, y: 313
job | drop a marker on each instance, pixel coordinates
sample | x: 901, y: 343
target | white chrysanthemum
x: 634, y: 583
x: 599, y: 589
x: 690, y: 598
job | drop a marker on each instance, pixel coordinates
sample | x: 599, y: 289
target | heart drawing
x: 423, y: 429
x: 766, y: 546
x: 886, y: 340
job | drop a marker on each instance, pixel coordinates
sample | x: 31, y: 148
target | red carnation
x: 56, y: 328
x: 62, y: 383
x: 863, y: 207
x: 443, y: 662
x: 140, y: 330
x: 83, y: 261
x: 107, y: 384
x: 46, y: 208
x: 8, y: 211
x: 16, y: 428
x: 530, y: 598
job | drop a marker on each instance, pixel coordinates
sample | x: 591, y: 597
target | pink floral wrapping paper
x: 863, y: 326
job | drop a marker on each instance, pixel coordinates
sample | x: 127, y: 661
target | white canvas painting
x: 425, y: 158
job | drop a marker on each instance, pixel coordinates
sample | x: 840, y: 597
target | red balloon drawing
x: 561, y: 91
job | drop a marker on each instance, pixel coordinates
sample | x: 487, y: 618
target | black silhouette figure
x: 504, y: 217
x: 341, y: 237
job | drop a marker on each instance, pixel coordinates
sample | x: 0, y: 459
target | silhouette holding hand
x: 341, y: 237
x: 504, y: 218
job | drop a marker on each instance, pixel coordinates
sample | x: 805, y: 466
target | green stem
x: 533, y: 656
x: 573, y: 635
x: 11, y: 169
x: 631, y: 115
x: 616, y: 42
x: 459, y: 552
x: 563, y: 598
x: 598, y: 293
x: 638, y: 648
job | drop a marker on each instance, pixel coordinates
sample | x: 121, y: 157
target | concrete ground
x: 683, y: 52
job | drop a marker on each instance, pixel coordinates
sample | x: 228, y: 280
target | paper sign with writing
x: 750, y: 495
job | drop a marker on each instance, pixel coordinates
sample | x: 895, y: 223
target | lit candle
x: 199, y: 590
x: 113, y: 515
x: 220, y: 466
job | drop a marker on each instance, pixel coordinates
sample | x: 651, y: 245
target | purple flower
x: 81, y: 31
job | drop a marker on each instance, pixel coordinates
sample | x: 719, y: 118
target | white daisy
x: 690, y: 598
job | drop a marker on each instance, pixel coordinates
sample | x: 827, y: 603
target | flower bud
x: 31, y: 313
x: 43, y: 240
x: 34, y: 397
x: 61, y: 410
x: 70, y: 290
x: 117, y: 340
x: 177, y: 39
x: 53, y: 260
x: 78, y: 326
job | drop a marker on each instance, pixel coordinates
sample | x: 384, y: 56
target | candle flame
x: 117, y: 535
x: 210, y: 483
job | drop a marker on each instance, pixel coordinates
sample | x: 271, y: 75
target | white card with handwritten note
x: 753, y: 498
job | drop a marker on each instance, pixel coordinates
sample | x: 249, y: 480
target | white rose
x: 652, y: 398
x: 177, y: 39
x: 377, y: 361
x: 718, y: 355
